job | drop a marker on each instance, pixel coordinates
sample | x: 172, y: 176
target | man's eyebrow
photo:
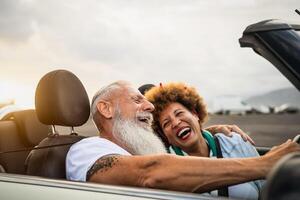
x: 141, y: 96
x: 137, y: 97
x: 103, y: 164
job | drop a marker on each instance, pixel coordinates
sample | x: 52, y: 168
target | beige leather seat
x: 19, y: 130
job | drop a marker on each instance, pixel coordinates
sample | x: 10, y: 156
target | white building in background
x: 261, y: 109
x: 229, y: 104
x: 286, y: 108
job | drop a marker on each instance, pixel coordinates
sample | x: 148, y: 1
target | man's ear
x: 105, y: 109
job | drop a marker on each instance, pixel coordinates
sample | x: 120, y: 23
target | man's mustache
x: 145, y: 117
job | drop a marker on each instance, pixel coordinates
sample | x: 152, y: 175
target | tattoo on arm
x: 102, y: 164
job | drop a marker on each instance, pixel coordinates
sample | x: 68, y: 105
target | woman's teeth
x: 183, y: 132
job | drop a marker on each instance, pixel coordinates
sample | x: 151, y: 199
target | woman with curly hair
x: 178, y: 118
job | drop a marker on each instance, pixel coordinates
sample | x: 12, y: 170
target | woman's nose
x: 175, y: 122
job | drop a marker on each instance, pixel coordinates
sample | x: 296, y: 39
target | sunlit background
x: 195, y: 41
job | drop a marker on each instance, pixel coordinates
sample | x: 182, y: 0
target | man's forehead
x: 130, y: 89
x: 126, y: 90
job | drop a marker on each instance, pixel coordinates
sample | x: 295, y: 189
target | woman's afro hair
x: 161, y: 96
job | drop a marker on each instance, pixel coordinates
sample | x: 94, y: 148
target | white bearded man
x: 128, y: 152
x: 136, y: 134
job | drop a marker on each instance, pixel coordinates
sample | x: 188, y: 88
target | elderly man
x: 128, y: 153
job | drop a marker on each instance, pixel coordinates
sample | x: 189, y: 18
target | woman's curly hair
x: 161, y: 96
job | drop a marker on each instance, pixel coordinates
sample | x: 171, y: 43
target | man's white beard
x: 136, y: 139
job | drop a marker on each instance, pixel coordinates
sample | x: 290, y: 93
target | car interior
x: 31, y: 145
x: 19, y: 132
x: 29, y: 141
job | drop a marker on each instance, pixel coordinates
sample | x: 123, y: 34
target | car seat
x: 2, y: 170
x: 20, y: 131
x: 144, y: 88
x: 283, y: 182
x: 60, y: 99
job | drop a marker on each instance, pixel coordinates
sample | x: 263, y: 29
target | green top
x: 209, y: 140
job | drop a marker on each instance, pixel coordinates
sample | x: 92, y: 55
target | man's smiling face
x: 132, y: 122
x: 133, y: 106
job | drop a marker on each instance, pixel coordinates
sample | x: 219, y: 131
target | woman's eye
x: 165, y: 124
x: 178, y: 113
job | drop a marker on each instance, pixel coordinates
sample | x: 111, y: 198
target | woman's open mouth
x: 184, y: 133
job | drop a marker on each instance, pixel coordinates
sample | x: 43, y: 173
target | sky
x: 101, y: 41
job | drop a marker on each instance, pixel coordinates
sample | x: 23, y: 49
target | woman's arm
x: 228, y: 130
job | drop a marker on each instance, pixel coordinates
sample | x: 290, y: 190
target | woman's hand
x: 228, y: 129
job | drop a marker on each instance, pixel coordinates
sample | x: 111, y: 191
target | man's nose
x: 147, y: 106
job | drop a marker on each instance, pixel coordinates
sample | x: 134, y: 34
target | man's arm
x: 171, y: 172
x: 190, y: 174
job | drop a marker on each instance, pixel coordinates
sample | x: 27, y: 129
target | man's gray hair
x: 105, y: 93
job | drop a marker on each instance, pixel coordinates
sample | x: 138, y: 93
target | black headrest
x: 144, y: 88
x: 61, y: 99
x: 50, y: 162
x: 31, y: 129
x: 283, y: 182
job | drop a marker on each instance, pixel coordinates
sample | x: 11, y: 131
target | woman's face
x: 180, y: 125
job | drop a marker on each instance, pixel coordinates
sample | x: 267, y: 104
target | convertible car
x: 32, y: 151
